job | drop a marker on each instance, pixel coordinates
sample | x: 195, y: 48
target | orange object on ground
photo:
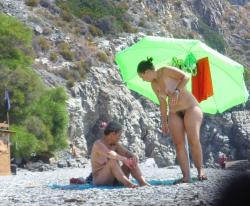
x: 202, y: 86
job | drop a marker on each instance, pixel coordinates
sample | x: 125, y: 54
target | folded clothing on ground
x: 77, y: 181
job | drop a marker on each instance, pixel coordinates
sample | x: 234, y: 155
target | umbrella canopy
x: 227, y: 75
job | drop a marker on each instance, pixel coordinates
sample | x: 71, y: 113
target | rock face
x: 102, y: 96
x: 248, y: 155
x: 230, y: 138
x: 107, y: 99
x: 239, y: 2
x: 241, y: 133
x: 211, y: 11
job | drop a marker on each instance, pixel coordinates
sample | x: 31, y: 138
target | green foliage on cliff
x: 212, y: 38
x: 109, y: 16
x: 15, y: 43
x: 38, y: 114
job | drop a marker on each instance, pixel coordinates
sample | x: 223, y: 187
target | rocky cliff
x: 98, y: 93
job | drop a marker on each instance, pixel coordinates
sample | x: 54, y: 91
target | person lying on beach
x: 107, y: 154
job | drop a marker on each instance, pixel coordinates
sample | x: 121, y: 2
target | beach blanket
x: 90, y: 186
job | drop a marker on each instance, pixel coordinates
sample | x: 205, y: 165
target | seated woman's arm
x: 121, y: 150
x: 106, y: 152
x: 132, y: 159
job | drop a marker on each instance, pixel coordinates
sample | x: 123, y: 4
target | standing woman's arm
x: 163, y: 107
x: 163, y: 110
x: 177, y: 74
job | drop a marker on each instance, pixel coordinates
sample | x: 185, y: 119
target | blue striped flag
x: 7, y: 101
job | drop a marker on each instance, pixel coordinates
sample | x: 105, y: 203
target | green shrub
x: 247, y: 75
x: 98, y: 9
x: 43, y: 43
x: 66, y: 16
x: 47, y: 31
x: 53, y: 57
x: 64, y: 50
x: 94, y: 30
x: 102, y: 56
x: 177, y: 3
x: 25, y: 87
x: 51, y: 109
x: 32, y: 2
x: 247, y: 35
x: 15, y: 43
x: 192, y: 35
x: 142, y: 23
x: 76, y: 30
x: 212, y: 38
x: 128, y: 28
x: 76, y: 73
x: 38, y: 128
x: 70, y: 83
x: 63, y: 46
x: 67, y: 55
x: 64, y: 73
x: 38, y: 114
x: 82, y: 68
x: 40, y: 111
x: 24, y: 144
x: 247, y: 80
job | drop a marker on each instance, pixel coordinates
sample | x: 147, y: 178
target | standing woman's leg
x: 192, y: 121
x: 176, y: 128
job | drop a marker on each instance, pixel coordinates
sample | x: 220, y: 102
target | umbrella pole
x: 187, y: 150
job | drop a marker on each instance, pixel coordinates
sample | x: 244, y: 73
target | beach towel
x: 91, y: 186
x: 202, y: 87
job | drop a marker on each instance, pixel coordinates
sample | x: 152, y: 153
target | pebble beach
x: 31, y: 188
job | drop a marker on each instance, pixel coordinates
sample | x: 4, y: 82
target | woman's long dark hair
x: 145, y: 65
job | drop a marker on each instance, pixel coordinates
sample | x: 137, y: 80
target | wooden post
x: 8, y: 118
x: 5, y: 162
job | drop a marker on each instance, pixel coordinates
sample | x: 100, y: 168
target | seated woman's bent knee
x: 112, y: 162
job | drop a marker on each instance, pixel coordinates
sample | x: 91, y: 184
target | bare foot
x: 202, y: 176
x: 145, y: 184
x: 182, y: 180
x: 133, y: 186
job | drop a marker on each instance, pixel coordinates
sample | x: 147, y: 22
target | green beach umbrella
x: 227, y: 75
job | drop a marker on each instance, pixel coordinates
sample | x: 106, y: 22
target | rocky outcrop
x: 239, y: 2
x: 228, y: 134
x: 211, y: 11
x: 248, y: 155
x: 102, y: 97
x: 241, y: 133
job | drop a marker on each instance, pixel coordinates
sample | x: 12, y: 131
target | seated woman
x: 106, y: 156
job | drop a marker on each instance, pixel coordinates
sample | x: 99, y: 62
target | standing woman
x: 184, y: 116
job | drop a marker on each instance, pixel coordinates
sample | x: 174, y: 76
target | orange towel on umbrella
x: 202, y: 86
